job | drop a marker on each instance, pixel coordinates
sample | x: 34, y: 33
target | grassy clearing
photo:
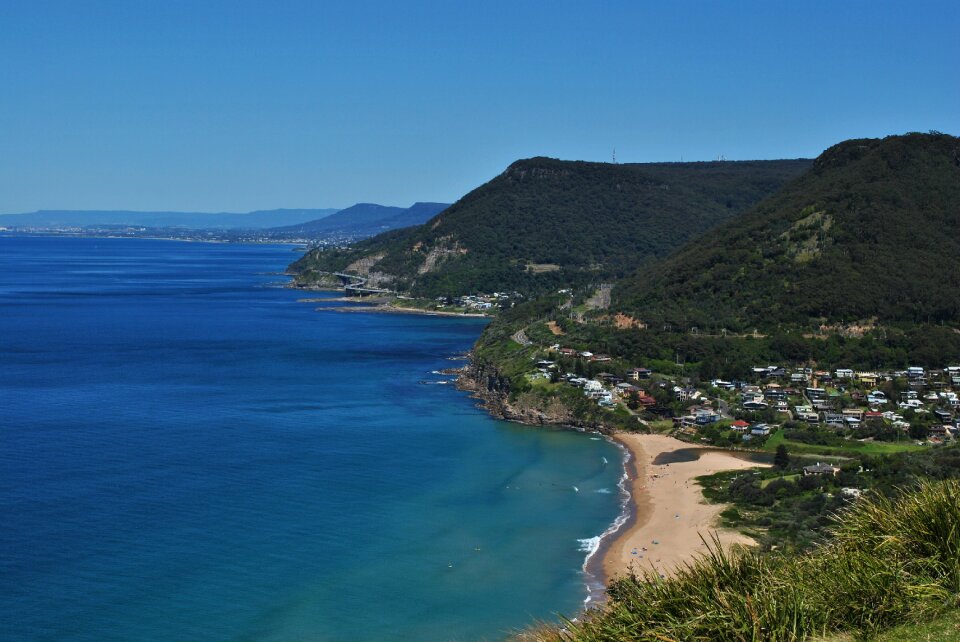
x: 849, y: 448
x: 543, y: 384
x: 767, y: 482
x: 661, y: 426
x: 888, y: 563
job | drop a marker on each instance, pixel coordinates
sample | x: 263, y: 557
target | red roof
x: 740, y: 423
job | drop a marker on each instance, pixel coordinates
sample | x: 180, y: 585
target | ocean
x: 190, y: 453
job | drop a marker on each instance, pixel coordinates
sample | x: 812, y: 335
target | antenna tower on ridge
x: 614, y: 155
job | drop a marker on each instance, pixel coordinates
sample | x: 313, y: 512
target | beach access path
x: 670, y: 513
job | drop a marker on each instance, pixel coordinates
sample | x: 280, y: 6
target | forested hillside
x: 545, y: 223
x: 868, y: 235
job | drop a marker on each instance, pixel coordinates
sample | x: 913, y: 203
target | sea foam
x: 589, y: 545
x: 594, y: 586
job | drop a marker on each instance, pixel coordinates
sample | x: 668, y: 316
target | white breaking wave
x: 589, y: 545
x: 593, y: 585
x: 604, y: 491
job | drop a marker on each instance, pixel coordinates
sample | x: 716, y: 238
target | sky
x: 241, y: 105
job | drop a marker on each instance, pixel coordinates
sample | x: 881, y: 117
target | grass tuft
x: 888, y: 562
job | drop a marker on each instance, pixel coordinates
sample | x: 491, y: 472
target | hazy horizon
x: 222, y: 107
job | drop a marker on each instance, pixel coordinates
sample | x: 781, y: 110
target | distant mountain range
x: 364, y: 219
x: 261, y: 219
x: 355, y: 222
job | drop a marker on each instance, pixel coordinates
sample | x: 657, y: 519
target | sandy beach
x: 669, y: 509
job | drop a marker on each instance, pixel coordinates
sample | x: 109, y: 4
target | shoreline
x: 660, y: 501
x: 390, y: 309
x: 593, y: 564
x: 665, y: 512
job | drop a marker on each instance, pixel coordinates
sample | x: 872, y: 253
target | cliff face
x: 494, y: 391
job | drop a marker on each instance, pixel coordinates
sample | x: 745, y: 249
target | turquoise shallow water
x: 190, y: 454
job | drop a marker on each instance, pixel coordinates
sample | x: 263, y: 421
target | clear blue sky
x: 239, y: 105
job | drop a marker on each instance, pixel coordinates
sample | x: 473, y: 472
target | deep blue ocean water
x: 189, y: 453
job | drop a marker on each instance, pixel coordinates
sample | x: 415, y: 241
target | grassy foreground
x: 888, y: 562
x: 941, y: 629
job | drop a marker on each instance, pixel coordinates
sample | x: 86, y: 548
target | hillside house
x: 646, y: 400
x: 636, y: 374
x: 939, y: 430
x: 592, y: 386
x: 775, y: 393
x: 815, y: 393
x: 943, y: 415
x: 704, y: 417
x: 686, y: 393
x: 821, y: 469
x: 833, y: 419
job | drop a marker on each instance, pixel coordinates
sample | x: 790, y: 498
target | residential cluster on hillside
x: 813, y: 407
x: 481, y: 301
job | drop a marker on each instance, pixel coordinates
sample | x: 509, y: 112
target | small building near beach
x: 821, y: 469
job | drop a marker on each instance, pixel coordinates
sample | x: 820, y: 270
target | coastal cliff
x: 489, y: 385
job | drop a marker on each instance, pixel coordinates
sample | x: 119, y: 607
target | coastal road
x: 521, y: 337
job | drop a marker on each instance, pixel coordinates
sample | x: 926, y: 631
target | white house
x: 592, y: 386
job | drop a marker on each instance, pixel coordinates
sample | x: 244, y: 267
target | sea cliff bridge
x: 354, y: 285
